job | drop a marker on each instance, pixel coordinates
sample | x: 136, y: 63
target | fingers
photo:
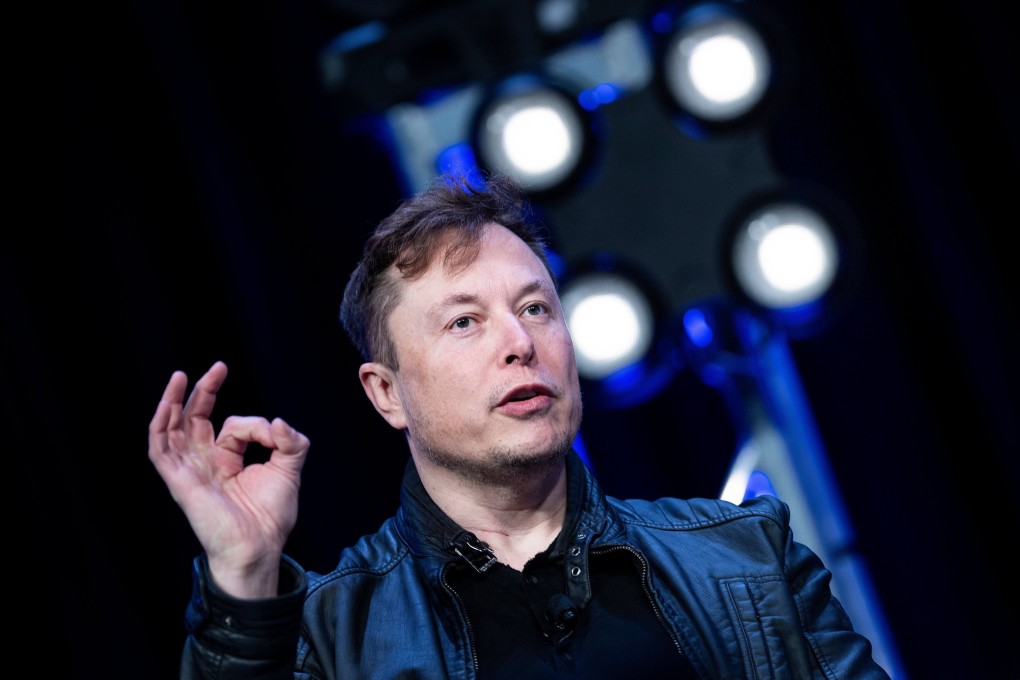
x: 170, y: 413
x: 173, y: 397
x: 169, y: 406
x: 239, y: 431
x: 290, y: 443
x: 200, y: 404
x: 167, y: 416
x: 177, y: 426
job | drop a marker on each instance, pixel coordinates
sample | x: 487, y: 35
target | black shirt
x: 514, y: 616
x: 525, y: 626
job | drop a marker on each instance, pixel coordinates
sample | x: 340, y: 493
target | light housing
x: 718, y: 65
x: 616, y: 318
x: 793, y: 254
x: 610, y: 320
x: 534, y: 130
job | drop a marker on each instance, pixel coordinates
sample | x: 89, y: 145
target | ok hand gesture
x: 242, y: 515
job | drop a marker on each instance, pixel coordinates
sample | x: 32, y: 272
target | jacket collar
x: 429, y: 532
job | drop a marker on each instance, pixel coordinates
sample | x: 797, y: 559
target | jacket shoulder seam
x: 340, y: 572
x: 631, y: 516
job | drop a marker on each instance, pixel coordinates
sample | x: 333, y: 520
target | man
x: 504, y: 559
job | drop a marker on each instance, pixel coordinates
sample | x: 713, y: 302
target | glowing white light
x: 785, y: 256
x: 717, y: 67
x: 610, y: 321
x: 535, y: 139
x: 792, y: 257
x: 722, y: 68
x: 605, y: 327
x: 533, y: 134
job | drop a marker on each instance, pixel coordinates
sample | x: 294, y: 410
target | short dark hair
x: 449, y: 213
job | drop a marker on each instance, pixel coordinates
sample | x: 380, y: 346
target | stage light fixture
x: 785, y: 256
x: 533, y: 131
x: 716, y: 65
x: 610, y: 320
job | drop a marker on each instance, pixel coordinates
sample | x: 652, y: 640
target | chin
x: 550, y: 448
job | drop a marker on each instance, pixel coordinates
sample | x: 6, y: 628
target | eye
x: 461, y: 323
x: 535, y: 309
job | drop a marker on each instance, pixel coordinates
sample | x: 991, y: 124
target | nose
x: 519, y: 343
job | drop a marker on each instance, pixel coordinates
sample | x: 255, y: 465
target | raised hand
x: 242, y: 515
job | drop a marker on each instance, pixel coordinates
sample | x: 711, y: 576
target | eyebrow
x: 455, y: 299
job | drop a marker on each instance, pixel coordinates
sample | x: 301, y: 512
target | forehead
x: 499, y: 258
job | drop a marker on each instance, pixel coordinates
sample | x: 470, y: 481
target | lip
x: 524, y: 393
x: 525, y: 400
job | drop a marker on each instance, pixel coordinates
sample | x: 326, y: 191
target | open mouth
x: 526, y: 393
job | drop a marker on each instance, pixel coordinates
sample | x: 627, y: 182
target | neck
x: 518, y: 518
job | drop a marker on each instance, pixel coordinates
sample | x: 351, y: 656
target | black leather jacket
x: 739, y: 596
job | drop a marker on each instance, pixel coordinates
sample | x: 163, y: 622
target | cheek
x: 562, y: 339
x: 447, y: 383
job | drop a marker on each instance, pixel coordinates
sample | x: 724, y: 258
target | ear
x: 380, y: 386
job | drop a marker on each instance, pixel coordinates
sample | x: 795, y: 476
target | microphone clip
x: 562, y: 614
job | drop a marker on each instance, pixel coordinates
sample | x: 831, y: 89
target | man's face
x: 487, y: 380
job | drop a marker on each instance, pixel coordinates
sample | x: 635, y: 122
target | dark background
x: 182, y: 192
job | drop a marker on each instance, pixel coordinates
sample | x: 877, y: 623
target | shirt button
x: 531, y: 580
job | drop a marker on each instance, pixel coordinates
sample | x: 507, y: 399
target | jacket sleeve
x: 839, y: 651
x: 251, y: 640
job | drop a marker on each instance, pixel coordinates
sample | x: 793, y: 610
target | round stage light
x: 716, y: 65
x: 534, y: 133
x: 785, y: 255
x: 610, y: 321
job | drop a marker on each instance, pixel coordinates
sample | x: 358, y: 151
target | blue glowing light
x: 713, y: 375
x: 662, y: 22
x: 594, y: 97
x: 625, y: 378
x: 459, y: 159
x: 759, y: 484
x: 582, y: 450
x: 697, y: 327
x: 556, y: 262
x: 358, y: 37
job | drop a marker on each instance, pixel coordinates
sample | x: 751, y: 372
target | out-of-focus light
x: 535, y: 139
x: 597, y: 338
x: 722, y: 68
x: 697, y: 328
x: 793, y: 257
x: 556, y: 16
x: 459, y: 160
x: 716, y: 65
x: 785, y: 255
x: 603, y: 93
x: 610, y: 321
x: 536, y: 135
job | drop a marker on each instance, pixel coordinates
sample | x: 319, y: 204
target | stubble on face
x: 501, y: 465
x: 505, y: 465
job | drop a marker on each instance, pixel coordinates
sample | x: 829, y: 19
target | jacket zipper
x: 646, y: 589
x: 467, y: 621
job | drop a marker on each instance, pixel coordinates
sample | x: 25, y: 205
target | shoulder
x: 372, y: 556
x: 697, y: 513
x: 673, y: 531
